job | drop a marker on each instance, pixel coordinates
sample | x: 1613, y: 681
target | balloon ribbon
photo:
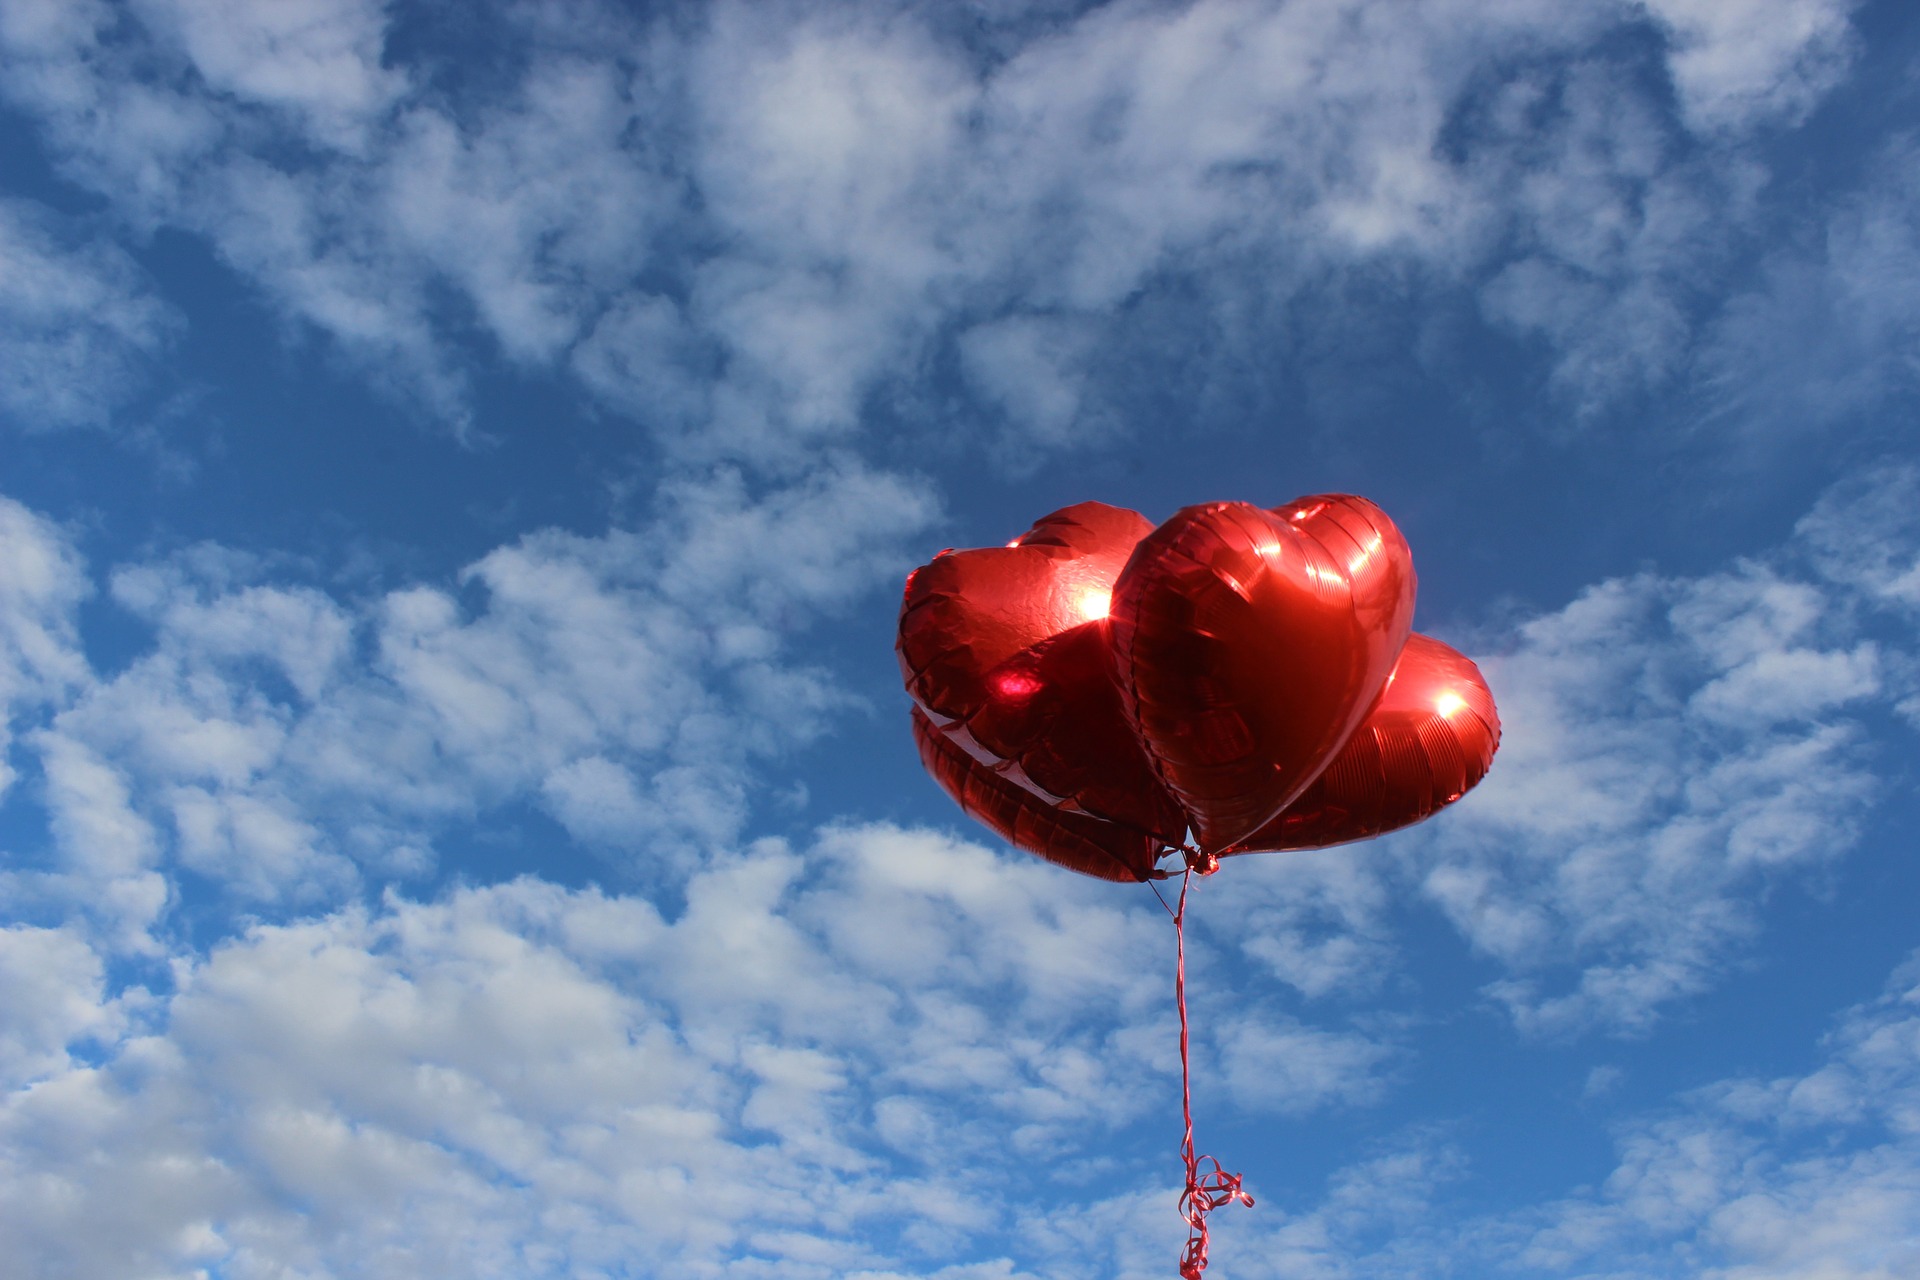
x: 1204, y: 1192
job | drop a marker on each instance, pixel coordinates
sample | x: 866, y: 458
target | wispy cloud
x: 283, y: 743
x: 1830, y: 329
x: 810, y: 205
x: 1756, y: 61
x: 81, y: 330
x: 42, y: 582
x: 1813, y: 1175
x: 1672, y: 745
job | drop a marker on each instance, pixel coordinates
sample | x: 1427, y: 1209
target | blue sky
x: 457, y: 467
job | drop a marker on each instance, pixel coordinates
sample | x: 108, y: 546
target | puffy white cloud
x: 52, y: 993
x: 530, y: 212
x: 108, y: 850
x: 1316, y: 920
x: 1865, y: 532
x: 203, y: 604
x: 1618, y: 225
x: 540, y: 1081
x: 282, y: 743
x: 780, y: 1080
x: 1288, y: 1066
x: 1034, y: 368
x: 876, y: 1053
x: 1790, y: 1178
x: 645, y: 357
x: 42, y: 582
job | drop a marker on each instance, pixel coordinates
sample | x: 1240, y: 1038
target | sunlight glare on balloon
x: 1449, y: 703
x: 1094, y: 602
x: 1015, y: 684
x: 1360, y: 558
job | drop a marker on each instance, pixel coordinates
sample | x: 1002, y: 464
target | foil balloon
x: 968, y: 611
x: 1023, y: 820
x: 1005, y: 649
x: 1052, y: 724
x: 1427, y: 741
x: 1249, y: 645
x: 1101, y: 692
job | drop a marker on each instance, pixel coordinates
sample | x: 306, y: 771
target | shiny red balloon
x: 1249, y: 645
x: 1425, y: 744
x: 1075, y: 841
x: 1005, y: 649
x: 1052, y: 724
x: 967, y: 611
x: 1099, y: 690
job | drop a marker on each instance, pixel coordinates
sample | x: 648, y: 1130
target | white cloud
x: 819, y: 202
x: 1670, y: 745
x: 1801, y: 1177
x: 201, y: 603
x: 108, y: 851
x: 51, y: 996
x: 1034, y: 369
x: 875, y: 1053
x: 1789, y: 1179
x: 42, y: 582
x: 598, y: 800
x: 80, y: 330
x: 538, y: 212
x: 529, y: 212
x: 826, y: 150
x: 793, y: 1076
x: 1830, y: 330
x: 1316, y: 919
x: 535, y: 1080
x: 319, y: 59
x: 644, y: 356
x: 1289, y: 1067
x: 1740, y: 62
x: 1617, y: 225
x: 1865, y: 532
x: 282, y: 743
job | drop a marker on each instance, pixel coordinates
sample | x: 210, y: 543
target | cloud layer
x: 300, y: 973
x: 287, y: 746
x: 868, y: 1054
x: 743, y: 227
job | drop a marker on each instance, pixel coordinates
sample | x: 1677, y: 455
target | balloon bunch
x: 1097, y: 689
x: 1103, y: 693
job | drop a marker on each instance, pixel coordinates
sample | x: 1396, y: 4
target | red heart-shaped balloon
x: 1052, y: 724
x: 1005, y: 649
x: 1022, y: 819
x: 1428, y: 740
x: 965, y: 612
x: 1250, y: 644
